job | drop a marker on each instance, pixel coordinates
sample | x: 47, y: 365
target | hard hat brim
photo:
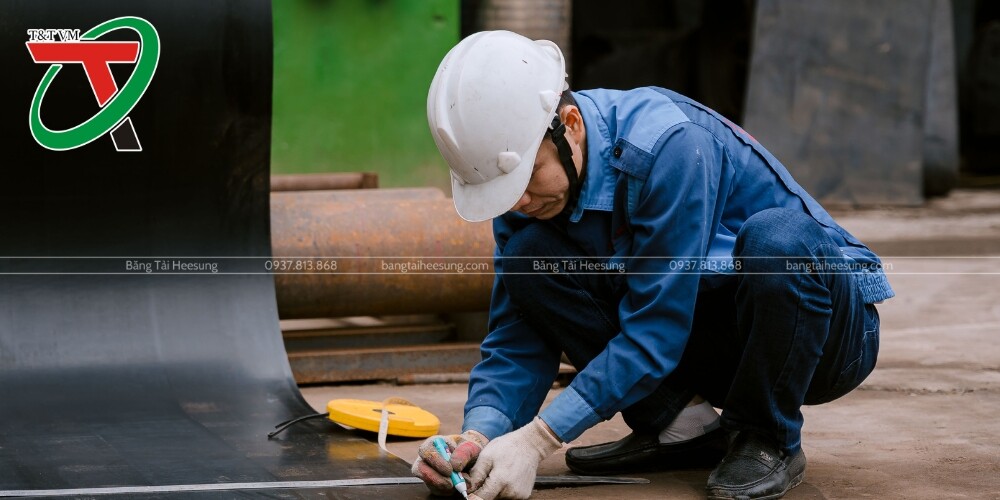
x: 480, y: 202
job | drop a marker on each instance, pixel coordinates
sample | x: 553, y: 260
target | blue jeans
x: 764, y: 341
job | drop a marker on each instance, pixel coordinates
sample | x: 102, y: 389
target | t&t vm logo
x: 66, y: 46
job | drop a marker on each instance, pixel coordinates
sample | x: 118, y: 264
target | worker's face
x: 548, y: 189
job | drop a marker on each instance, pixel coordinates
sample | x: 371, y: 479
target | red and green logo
x: 64, y: 46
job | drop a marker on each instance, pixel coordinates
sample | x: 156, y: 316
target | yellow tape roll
x: 405, y: 419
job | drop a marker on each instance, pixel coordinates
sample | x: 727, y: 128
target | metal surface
x: 941, y: 155
x: 353, y: 337
x: 193, y: 488
x: 337, y: 365
x: 837, y: 92
x: 143, y: 379
x: 535, y: 19
x: 540, y: 481
x: 316, y: 182
x: 281, y: 201
x: 392, y: 256
x: 560, y: 481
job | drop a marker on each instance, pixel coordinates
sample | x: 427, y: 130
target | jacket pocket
x: 855, y: 372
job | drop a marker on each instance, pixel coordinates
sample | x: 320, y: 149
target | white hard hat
x: 490, y: 103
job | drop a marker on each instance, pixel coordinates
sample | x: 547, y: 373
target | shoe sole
x: 797, y: 480
x: 703, y: 452
x: 644, y: 462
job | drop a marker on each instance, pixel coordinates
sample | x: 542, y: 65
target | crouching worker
x: 669, y: 255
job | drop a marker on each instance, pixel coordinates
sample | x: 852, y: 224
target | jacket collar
x: 598, y: 190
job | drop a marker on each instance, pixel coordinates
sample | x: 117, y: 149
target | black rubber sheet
x: 112, y: 376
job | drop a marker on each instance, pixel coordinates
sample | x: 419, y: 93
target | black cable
x: 288, y: 423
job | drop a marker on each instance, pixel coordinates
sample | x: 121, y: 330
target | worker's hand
x: 507, y: 466
x: 435, y: 471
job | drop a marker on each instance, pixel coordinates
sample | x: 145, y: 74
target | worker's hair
x: 566, y: 99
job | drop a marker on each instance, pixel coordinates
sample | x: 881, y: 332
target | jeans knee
x: 771, y: 238
x: 527, y: 243
x: 522, y: 253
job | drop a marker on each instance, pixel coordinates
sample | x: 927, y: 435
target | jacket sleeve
x: 674, y: 221
x: 507, y: 387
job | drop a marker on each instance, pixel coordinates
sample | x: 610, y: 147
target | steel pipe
x: 325, y: 181
x: 283, y: 199
x: 377, y: 252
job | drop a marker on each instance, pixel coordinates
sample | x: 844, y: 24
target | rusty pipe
x: 322, y: 197
x: 325, y: 181
x: 403, y: 252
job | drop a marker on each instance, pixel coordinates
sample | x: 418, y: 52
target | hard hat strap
x: 558, y: 131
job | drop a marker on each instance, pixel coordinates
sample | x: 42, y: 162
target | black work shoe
x: 643, y: 452
x: 755, y: 468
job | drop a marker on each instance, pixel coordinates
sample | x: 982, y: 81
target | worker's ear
x: 571, y: 117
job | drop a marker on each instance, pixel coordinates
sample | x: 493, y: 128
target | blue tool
x: 456, y: 478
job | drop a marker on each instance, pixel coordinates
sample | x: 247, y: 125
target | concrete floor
x: 925, y: 425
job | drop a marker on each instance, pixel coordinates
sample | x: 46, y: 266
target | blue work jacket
x: 666, y: 176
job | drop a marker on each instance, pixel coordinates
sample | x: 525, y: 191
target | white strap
x: 383, y: 425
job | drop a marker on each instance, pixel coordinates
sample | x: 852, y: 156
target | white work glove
x: 435, y: 471
x: 507, y: 466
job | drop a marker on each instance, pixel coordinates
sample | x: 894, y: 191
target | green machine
x: 350, y: 87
